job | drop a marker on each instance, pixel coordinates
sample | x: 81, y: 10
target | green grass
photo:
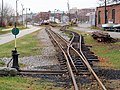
x: 4, y: 28
x: 2, y: 64
x: 28, y: 45
x: 4, y: 32
x: 9, y: 31
x: 24, y: 83
x: 109, y: 53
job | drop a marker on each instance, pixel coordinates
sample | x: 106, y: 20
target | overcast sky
x: 46, y: 5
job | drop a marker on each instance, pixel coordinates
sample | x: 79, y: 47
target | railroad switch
x: 15, y: 59
x: 15, y: 31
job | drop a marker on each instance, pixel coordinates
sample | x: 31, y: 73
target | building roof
x: 109, y: 5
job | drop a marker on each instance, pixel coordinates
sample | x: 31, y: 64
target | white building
x: 24, y: 17
x: 91, y: 20
x: 73, y: 10
x: 65, y: 19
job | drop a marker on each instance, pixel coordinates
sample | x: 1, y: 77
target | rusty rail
x: 67, y: 58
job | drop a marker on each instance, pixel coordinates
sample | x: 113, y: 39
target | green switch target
x: 15, y: 31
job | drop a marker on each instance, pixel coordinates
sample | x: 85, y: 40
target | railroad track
x: 86, y: 61
x: 63, y: 45
x: 76, y: 57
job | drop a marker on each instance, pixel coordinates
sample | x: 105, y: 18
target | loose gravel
x: 61, y: 33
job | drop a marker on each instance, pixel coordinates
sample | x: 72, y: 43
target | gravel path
x: 48, y: 57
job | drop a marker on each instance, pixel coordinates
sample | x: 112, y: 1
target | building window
x: 99, y: 17
x: 113, y: 15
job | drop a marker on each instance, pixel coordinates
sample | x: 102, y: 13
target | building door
x: 113, y: 15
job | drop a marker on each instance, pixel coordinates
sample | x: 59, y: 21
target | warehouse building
x: 112, y: 14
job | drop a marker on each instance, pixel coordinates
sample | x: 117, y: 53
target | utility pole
x: 76, y: 16
x: 68, y: 5
x: 22, y: 12
x: 26, y: 15
x: 54, y: 15
x: 2, y: 15
x: 16, y: 13
x: 105, y: 13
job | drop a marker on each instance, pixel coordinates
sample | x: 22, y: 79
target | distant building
x: 91, y: 20
x: 113, y: 14
x: 73, y: 10
x: 44, y: 15
x: 25, y: 17
x: 41, y: 17
x: 82, y: 14
x: 57, y: 16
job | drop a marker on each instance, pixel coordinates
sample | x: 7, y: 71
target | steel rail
x: 68, y: 44
x: 61, y: 37
x: 93, y: 72
x: 57, y: 35
x: 85, y: 61
x: 68, y: 52
x: 83, y: 58
x: 68, y: 63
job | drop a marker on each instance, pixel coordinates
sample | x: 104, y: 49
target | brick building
x: 81, y: 14
x: 44, y: 15
x: 112, y: 11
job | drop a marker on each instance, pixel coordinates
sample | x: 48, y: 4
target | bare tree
x: 8, y: 12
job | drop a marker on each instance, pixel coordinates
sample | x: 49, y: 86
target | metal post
x: 15, y: 43
x: 49, y: 14
x: 15, y: 39
x: 26, y: 16
x: 105, y: 13
x: 76, y: 17
x: 62, y: 17
x: 69, y: 10
x: 15, y: 59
